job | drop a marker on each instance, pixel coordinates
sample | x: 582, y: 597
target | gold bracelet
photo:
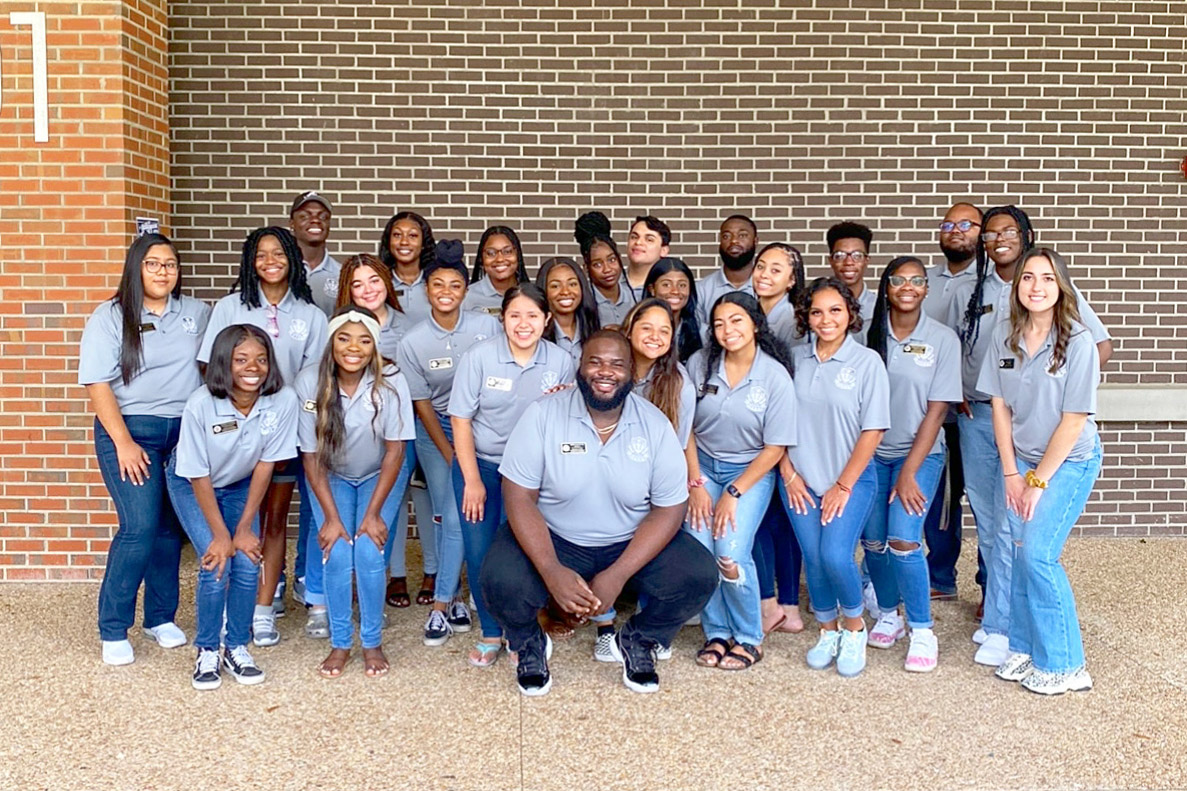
x: 791, y: 480
x: 1035, y: 481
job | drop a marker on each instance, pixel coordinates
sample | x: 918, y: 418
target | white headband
x: 354, y: 316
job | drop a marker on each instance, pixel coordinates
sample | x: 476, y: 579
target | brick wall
x: 529, y: 113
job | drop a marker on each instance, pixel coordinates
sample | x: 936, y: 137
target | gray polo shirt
x: 220, y: 443
x: 367, y: 427
x: 837, y: 399
x: 866, y: 301
x: 922, y: 367
x: 734, y: 424
x: 391, y: 331
x: 688, y: 401
x: 1037, y: 399
x: 995, y: 308
x: 482, y: 297
x: 323, y: 283
x: 169, y: 344
x: 590, y: 493
x: 782, y: 322
x: 570, y: 345
x: 615, y: 312
x: 943, y: 287
x: 429, y: 354
x: 711, y: 288
x: 492, y: 390
x: 412, y: 298
x: 303, y: 330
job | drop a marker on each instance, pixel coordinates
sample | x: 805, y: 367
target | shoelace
x: 242, y: 657
x: 437, y: 621
x: 851, y: 647
x: 207, y: 661
x: 531, y: 659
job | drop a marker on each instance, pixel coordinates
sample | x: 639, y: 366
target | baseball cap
x: 306, y: 197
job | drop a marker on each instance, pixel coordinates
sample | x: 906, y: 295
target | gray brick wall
x: 797, y: 113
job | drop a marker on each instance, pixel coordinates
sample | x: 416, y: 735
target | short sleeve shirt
x: 492, y: 390
x: 866, y: 301
x: 711, y: 288
x: 1038, y: 398
x: 323, y: 283
x: 219, y: 442
x: 943, y: 287
x: 734, y: 424
x: 595, y: 494
x: 168, y: 375
x: 482, y: 297
x: 570, y: 345
x: 688, y: 401
x: 370, y: 417
x: 394, y: 326
x: 615, y: 312
x: 412, y: 298
x: 783, y: 325
x: 838, y: 399
x: 923, y: 367
x: 303, y: 330
x: 429, y: 354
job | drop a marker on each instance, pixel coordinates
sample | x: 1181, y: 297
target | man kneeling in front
x: 595, y: 486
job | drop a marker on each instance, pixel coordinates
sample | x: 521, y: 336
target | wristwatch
x: 733, y: 491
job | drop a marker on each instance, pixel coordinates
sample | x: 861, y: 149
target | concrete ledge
x: 1150, y: 403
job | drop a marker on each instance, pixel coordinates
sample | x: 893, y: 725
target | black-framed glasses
x: 947, y: 226
x: 492, y: 253
x: 840, y: 256
x: 152, y: 266
x: 1008, y: 234
x: 919, y: 281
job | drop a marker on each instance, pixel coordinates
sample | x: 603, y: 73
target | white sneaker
x: 869, y: 598
x: 1016, y: 667
x: 851, y: 658
x: 888, y: 631
x: 993, y: 651
x: 694, y: 620
x: 118, y: 652
x: 1044, y: 683
x: 604, y: 648
x: 663, y: 652
x: 923, y: 652
x: 263, y: 629
x: 979, y: 636
x: 824, y: 652
x: 167, y: 635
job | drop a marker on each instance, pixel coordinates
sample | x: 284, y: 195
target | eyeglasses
x: 1008, y: 234
x: 857, y: 255
x: 947, y: 226
x: 491, y: 253
x: 152, y: 266
x: 919, y: 281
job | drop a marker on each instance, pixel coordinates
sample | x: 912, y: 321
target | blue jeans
x: 987, y: 496
x: 304, y: 525
x: 477, y: 536
x: 426, y: 524
x: 777, y: 555
x: 362, y: 558
x: 941, y: 529
x: 235, y: 593
x: 900, y: 574
x: 734, y: 611
x: 147, y: 546
x: 829, y: 563
x: 450, y: 550
x: 1043, y: 620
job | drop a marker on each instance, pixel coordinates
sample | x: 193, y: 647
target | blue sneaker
x: 851, y: 659
x: 821, y: 655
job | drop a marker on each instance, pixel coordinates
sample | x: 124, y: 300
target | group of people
x: 613, y: 433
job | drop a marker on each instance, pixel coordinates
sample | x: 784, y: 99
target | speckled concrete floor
x: 69, y: 722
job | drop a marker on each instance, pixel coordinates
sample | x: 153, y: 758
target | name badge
x: 986, y: 309
x: 310, y: 406
x: 572, y: 447
x: 399, y: 292
x: 915, y: 348
x: 147, y: 326
x: 494, y: 312
x: 223, y: 428
x: 440, y: 362
x: 707, y: 390
x: 496, y: 383
x: 1006, y: 363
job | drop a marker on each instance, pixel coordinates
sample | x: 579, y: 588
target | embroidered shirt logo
x: 190, y: 325
x: 331, y: 287
x: 846, y: 379
x: 549, y: 380
x: 925, y: 358
x: 756, y: 399
x: 298, y: 329
x: 269, y: 422
x: 638, y: 449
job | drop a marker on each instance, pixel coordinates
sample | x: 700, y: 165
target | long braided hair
x: 971, y: 327
x: 248, y: 281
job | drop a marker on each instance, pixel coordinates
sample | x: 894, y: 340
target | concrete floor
x: 69, y: 722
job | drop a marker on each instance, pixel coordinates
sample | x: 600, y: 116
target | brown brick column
x: 67, y: 214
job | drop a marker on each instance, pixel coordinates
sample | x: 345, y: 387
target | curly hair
x: 804, y: 306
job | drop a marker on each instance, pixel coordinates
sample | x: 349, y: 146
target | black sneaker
x: 238, y: 663
x: 638, y: 664
x: 532, y: 671
x: 437, y: 628
x: 206, y: 670
x: 459, y: 617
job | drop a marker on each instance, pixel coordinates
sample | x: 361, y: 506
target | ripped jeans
x: 734, y: 610
x: 900, y: 574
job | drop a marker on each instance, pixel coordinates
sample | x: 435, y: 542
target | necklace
x: 607, y: 429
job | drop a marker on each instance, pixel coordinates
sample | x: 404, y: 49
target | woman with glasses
x: 922, y: 359
x: 138, y: 361
x: 498, y: 265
